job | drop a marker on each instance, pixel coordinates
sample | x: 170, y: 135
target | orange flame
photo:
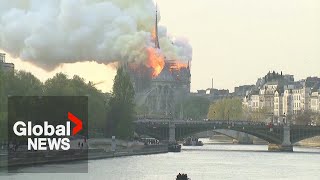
x: 178, y: 66
x: 155, y: 61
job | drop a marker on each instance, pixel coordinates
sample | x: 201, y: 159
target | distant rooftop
x: 5, y: 66
x: 2, y: 57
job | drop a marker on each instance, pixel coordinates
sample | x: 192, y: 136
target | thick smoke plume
x: 51, y: 32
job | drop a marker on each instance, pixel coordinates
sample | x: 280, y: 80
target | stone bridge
x: 280, y: 137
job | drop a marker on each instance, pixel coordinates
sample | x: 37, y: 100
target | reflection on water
x: 213, y: 161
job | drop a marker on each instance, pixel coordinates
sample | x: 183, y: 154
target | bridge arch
x: 282, y: 135
x: 298, y: 134
x: 160, y: 129
x: 313, y: 140
x: 241, y: 137
x: 264, y: 134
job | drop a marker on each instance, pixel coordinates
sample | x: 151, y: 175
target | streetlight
x: 228, y: 116
x: 284, y: 118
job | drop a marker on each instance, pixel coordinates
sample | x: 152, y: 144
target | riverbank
x: 220, y: 138
x: 158, y: 149
x: 39, y: 158
x: 311, y: 142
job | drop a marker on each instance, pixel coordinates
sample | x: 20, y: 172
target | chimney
x: 2, y: 57
x: 212, y: 83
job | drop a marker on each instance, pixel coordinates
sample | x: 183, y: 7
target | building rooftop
x: 5, y: 66
x: 165, y: 75
x: 2, y: 58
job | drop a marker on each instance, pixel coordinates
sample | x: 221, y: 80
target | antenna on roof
x: 212, y: 83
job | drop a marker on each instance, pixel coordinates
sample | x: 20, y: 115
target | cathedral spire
x: 157, y: 45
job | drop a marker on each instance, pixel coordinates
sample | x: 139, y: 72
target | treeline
x: 233, y: 109
x: 21, y: 83
x: 226, y: 109
x: 122, y: 111
x: 192, y: 108
x: 108, y: 113
x: 198, y: 108
x: 113, y: 113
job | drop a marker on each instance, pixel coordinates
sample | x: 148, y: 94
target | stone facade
x: 165, y: 92
x: 315, y: 101
x: 278, y: 104
x: 284, y: 97
x: 242, y: 91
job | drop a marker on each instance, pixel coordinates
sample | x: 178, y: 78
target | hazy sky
x: 234, y: 41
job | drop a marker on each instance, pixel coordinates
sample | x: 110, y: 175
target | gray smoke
x: 51, y: 32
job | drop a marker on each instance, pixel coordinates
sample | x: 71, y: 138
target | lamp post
x: 284, y: 119
x: 271, y: 123
x: 228, y: 116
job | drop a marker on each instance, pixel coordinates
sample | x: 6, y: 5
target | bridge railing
x: 237, y: 122
x: 218, y: 122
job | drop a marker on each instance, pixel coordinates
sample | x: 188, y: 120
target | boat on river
x: 192, y: 141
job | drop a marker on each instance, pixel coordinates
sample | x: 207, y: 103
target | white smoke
x: 183, y: 49
x: 51, y: 32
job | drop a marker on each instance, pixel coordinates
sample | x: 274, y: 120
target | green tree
x: 22, y: 83
x: 1, y: 93
x: 121, y: 106
x: 19, y: 83
x: 305, y: 117
x: 193, y: 107
x: 228, y: 108
x: 141, y: 110
x: 3, y: 125
x: 61, y: 85
x: 260, y: 114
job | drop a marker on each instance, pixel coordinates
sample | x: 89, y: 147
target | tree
x: 226, y: 109
x: 121, y: 106
x: 1, y: 93
x: 21, y: 83
x: 304, y: 118
x: 193, y: 107
x: 18, y: 83
x: 61, y: 85
x: 3, y: 124
x: 260, y: 114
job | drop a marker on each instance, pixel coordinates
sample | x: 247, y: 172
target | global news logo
x: 48, y: 137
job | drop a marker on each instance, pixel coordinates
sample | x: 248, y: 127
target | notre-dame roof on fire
x: 161, y: 83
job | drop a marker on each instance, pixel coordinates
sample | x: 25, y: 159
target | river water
x: 212, y: 161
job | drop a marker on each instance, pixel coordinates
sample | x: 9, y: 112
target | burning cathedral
x: 161, y: 83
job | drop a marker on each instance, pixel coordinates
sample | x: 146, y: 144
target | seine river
x: 212, y: 161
